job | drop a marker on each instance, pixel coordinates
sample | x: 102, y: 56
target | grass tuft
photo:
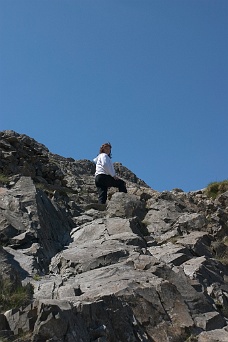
x: 4, y: 179
x: 215, y: 189
x: 12, y: 296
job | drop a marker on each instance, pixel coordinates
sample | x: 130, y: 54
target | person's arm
x: 95, y: 159
x: 108, y: 166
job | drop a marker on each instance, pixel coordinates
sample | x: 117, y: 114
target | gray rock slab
x: 170, y: 253
x: 190, y: 221
x: 126, y: 206
x: 197, y: 242
x: 210, y: 321
x: 217, y: 335
x: 89, y: 256
x: 206, y: 271
x: 98, y: 244
x: 147, y: 294
x: 223, y: 199
x: 88, y: 232
x: 21, y: 319
x: 46, y: 287
x: 30, y: 217
x: 25, y: 265
x: 103, y: 229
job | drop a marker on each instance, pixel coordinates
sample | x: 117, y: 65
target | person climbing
x: 105, y: 175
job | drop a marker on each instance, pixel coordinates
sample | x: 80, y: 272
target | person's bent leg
x: 116, y: 183
x: 122, y: 186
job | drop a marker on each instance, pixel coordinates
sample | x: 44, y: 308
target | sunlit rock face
x: 147, y: 266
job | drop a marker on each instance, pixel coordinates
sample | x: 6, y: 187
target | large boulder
x: 126, y: 205
x: 32, y: 227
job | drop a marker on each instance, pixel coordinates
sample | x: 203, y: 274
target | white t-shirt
x: 104, y: 165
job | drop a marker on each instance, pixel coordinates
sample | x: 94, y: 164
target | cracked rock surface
x: 147, y: 266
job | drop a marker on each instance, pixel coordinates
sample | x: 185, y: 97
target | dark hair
x: 103, y: 147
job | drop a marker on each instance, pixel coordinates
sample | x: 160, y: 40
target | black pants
x: 103, y: 182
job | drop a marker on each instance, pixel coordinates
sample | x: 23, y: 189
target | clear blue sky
x: 150, y: 76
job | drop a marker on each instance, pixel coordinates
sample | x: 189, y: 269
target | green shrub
x: 36, y: 277
x: 12, y: 296
x: 192, y: 338
x: 215, y: 189
x: 4, y: 179
x: 223, y: 258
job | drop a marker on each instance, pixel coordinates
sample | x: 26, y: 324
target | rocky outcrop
x: 147, y: 266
